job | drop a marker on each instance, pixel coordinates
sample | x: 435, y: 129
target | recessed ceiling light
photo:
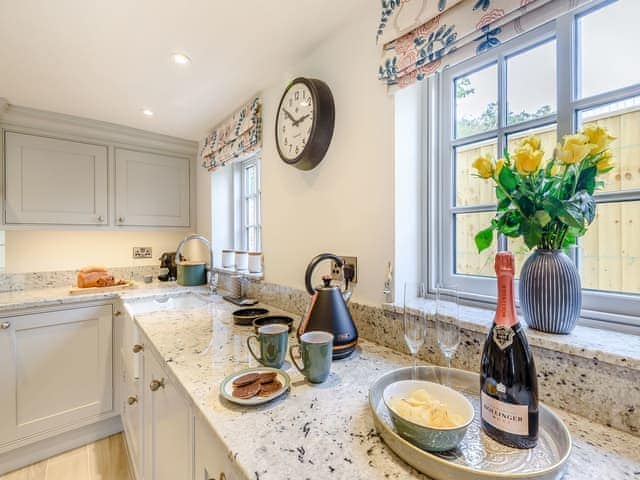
x: 180, y: 58
x: 147, y: 113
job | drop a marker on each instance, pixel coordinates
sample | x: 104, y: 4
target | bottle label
x: 507, y: 417
x: 503, y: 336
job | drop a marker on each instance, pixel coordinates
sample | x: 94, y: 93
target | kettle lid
x: 326, y: 283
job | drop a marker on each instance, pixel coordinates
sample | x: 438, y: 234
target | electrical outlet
x: 142, y: 252
x: 336, y: 271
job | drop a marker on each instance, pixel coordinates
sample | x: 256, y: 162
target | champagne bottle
x: 508, y: 382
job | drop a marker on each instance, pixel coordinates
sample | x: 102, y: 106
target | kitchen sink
x: 166, y: 302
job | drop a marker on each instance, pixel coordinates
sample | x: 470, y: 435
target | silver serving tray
x: 477, y: 456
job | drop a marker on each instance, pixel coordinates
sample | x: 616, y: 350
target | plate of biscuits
x: 255, y: 386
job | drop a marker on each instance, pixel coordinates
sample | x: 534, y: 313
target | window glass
x: 622, y: 120
x: 608, y: 40
x: 476, y: 102
x: 548, y: 136
x: 467, y: 259
x: 610, y: 251
x: 471, y: 190
x: 537, y: 64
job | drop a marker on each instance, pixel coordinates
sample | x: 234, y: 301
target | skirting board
x: 35, y: 452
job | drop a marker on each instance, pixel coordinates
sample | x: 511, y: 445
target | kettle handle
x: 314, y: 263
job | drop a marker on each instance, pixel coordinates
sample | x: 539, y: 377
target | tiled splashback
x: 10, y: 282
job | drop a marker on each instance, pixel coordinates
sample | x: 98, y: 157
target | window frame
x: 599, y: 307
x: 245, y: 196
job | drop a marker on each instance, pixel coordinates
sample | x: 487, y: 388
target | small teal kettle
x: 328, y: 309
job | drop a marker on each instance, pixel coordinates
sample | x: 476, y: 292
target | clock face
x: 295, y: 121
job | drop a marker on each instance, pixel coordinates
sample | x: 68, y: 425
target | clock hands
x: 300, y: 120
x: 293, y: 120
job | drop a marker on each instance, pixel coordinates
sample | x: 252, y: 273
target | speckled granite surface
x: 592, y: 373
x: 45, y: 297
x: 65, y: 278
x: 324, y: 431
x: 599, y: 385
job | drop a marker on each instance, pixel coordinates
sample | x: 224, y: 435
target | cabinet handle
x: 117, y: 313
x: 100, y: 218
x: 4, y: 325
x: 137, y: 348
x: 132, y: 399
x: 156, y: 385
x: 120, y: 219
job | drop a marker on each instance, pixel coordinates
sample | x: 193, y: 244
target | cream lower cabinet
x: 55, y: 372
x: 132, y: 419
x: 168, y: 426
x: 211, y: 461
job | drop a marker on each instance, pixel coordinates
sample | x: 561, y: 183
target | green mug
x: 273, y: 340
x: 316, y: 352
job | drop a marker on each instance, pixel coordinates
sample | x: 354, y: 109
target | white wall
x: 46, y: 250
x: 345, y: 205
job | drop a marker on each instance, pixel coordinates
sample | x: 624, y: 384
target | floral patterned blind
x: 422, y: 37
x: 236, y: 138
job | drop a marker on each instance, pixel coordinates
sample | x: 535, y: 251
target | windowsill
x: 606, y: 346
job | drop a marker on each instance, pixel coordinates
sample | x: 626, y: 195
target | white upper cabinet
x: 50, y: 181
x: 151, y: 189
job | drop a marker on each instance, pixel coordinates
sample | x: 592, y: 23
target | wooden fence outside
x: 609, y: 252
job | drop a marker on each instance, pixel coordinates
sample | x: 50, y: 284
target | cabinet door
x: 211, y: 462
x: 168, y: 427
x: 62, y: 371
x: 51, y: 181
x: 151, y: 189
x: 7, y: 381
x: 132, y: 421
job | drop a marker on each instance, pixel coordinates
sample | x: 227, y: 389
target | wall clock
x: 304, y: 122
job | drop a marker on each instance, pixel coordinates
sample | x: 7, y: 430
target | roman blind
x: 235, y: 139
x: 422, y: 37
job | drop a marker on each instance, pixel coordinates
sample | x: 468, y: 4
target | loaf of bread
x: 94, y: 279
x: 93, y: 268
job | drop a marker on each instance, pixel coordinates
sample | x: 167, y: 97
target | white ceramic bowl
x: 430, y: 438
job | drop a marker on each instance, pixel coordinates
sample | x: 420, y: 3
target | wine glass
x: 447, y: 325
x: 414, y: 322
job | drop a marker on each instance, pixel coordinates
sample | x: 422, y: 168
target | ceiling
x: 110, y: 59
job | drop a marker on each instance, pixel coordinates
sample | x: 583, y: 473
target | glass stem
x: 415, y: 360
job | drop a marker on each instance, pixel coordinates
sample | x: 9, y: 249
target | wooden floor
x: 105, y: 459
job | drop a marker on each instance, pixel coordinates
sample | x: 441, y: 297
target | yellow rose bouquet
x: 550, y: 204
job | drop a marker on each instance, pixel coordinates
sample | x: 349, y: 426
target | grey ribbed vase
x: 550, y: 291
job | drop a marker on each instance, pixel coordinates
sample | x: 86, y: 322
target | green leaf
x: 484, y: 238
x: 587, y: 180
x: 542, y: 217
x: 552, y: 206
x: 571, y: 215
x: 586, y: 204
x: 508, y: 180
x: 531, y: 233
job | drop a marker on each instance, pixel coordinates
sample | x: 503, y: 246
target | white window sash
x: 598, y: 306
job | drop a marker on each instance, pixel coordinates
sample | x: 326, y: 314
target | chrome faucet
x: 203, y: 239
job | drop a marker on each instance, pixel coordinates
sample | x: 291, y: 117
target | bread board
x: 90, y: 290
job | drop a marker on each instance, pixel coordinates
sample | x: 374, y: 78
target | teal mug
x: 316, y: 352
x: 273, y: 340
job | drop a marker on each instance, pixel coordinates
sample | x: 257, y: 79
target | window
x: 549, y: 82
x: 250, y: 204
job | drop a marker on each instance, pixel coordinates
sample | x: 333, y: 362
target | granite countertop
x: 323, y: 431
x: 45, y: 297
